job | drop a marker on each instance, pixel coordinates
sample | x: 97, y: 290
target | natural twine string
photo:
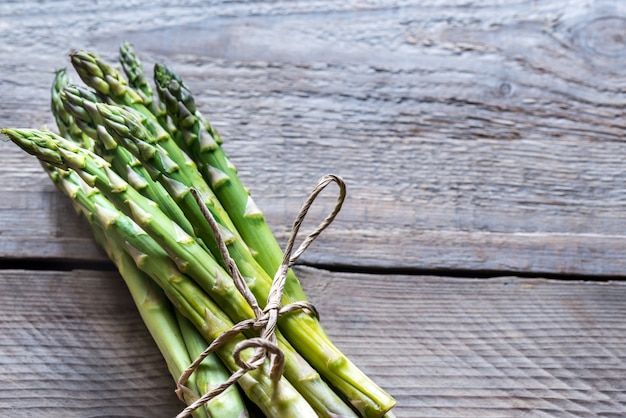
x: 264, y: 319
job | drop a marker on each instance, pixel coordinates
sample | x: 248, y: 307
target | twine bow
x: 264, y: 319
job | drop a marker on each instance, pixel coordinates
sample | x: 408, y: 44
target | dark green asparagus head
x: 102, y: 77
x: 68, y: 128
x: 61, y: 80
x: 176, y: 96
x: 118, y: 120
x: 81, y: 104
x: 134, y: 71
x: 126, y: 127
x: 181, y: 106
x: 64, y: 121
x: 42, y: 144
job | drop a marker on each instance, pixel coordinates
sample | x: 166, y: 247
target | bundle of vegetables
x: 150, y: 176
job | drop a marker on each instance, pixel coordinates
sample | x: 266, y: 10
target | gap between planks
x: 68, y: 264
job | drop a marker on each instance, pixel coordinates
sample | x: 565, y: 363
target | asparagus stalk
x: 64, y: 121
x: 203, y: 145
x: 302, y: 330
x: 154, y: 308
x: 134, y: 72
x: 191, y: 259
x: 137, y: 79
x: 210, y: 373
x: 351, y: 390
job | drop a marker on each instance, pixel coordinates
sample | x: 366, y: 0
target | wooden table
x: 477, y: 267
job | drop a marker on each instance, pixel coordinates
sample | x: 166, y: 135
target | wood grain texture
x: 504, y: 347
x: 74, y: 346
x: 472, y: 135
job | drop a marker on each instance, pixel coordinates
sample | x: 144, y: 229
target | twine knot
x: 265, y: 320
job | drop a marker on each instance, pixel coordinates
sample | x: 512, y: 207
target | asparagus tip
x: 3, y: 135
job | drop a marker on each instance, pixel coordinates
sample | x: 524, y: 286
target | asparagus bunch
x: 129, y: 162
x: 316, y: 390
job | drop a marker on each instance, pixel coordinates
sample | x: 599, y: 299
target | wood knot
x: 604, y: 36
x: 505, y: 89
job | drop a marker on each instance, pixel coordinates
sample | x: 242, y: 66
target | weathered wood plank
x: 73, y: 345
x: 486, y: 136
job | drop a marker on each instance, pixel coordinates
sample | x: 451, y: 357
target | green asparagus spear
x: 349, y: 389
x: 137, y: 79
x: 65, y: 122
x: 210, y: 373
x: 202, y: 143
x: 134, y: 72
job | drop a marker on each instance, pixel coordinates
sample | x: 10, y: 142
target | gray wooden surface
x: 476, y: 139
x: 508, y: 347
